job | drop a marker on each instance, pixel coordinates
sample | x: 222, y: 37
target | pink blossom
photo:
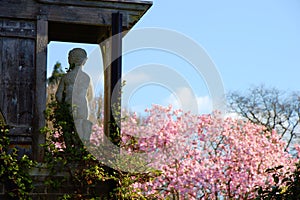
x: 202, y: 156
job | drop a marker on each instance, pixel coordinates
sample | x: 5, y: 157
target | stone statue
x: 75, y: 88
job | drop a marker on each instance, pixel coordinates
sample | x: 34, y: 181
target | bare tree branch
x: 271, y: 108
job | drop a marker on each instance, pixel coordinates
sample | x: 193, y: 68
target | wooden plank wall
x: 17, y: 69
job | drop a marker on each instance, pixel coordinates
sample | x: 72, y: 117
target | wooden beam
x: 87, y: 12
x: 18, y: 9
x: 108, y: 4
x: 40, y: 87
x: 81, y: 15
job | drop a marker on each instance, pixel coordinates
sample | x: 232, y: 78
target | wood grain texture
x: 16, y: 81
x: 96, y: 13
x: 40, y: 86
x: 17, y: 28
x: 111, y: 4
x: 106, y: 53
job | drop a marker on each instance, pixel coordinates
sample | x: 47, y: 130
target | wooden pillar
x: 106, y: 56
x: 116, y: 78
x: 112, y: 61
x: 40, y: 87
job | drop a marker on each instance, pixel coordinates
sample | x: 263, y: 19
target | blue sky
x: 250, y: 42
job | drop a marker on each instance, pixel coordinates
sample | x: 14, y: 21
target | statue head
x: 77, y: 57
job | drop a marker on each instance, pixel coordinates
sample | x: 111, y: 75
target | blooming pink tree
x: 205, y: 156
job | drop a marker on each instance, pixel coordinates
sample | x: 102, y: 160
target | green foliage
x: 57, y: 73
x: 85, y: 172
x: 62, y: 123
x: 14, y: 171
x: 83, y: 168
x: 126, y: 190
x: 286, y: 189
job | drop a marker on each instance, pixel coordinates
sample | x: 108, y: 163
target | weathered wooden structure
x: 26, y: 28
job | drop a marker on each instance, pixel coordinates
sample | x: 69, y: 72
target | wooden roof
x: 85, y: 21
